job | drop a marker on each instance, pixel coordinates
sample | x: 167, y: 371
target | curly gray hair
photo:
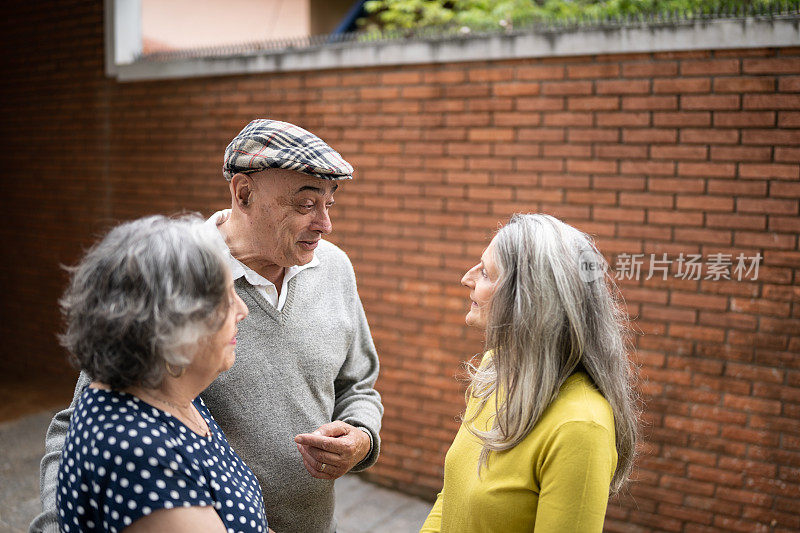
x: 144, y: 296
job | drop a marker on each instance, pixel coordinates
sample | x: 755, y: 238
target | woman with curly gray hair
x: 151, y: 317
x: 550, y: 427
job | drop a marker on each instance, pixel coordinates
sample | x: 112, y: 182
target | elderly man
x: 298, y: 405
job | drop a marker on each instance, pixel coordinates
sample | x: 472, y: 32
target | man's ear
x: 242, y: 190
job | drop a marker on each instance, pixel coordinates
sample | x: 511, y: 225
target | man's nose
x: 322, y: 222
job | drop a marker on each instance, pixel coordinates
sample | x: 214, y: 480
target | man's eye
x: 483, y: 273
x: 307, y: 206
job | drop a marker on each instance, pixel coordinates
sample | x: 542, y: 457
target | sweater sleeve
x: 357, y: 402
x: 575, y: 476
x: 433, y: 524
x: 47, y: 520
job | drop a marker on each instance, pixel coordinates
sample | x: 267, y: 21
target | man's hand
x: 333, y: 449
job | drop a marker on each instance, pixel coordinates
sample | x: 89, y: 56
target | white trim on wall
x: 676, y: 36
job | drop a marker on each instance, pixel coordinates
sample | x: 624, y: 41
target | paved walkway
x: 360, y: 506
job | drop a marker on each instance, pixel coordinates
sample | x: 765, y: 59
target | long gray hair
x: 547, y: 318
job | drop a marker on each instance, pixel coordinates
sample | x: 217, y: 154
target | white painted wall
x: 181, y: 24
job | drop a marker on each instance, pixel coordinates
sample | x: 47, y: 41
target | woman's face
x: 218, y: 353
x: 481, y: 281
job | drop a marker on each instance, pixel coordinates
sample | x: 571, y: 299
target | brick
x: 772, y: 65
x: 516, y: 89
x: 593, y: 103
x: 444, y: 76
x: 490, y: 74
x: 744, y: 84
x: 740, y: 153
x: 706, y: 67
x: 568, y: 119
x: 789, y: 84
x: 591, y: 197
x: 752, y: 239
x: 791, y: 224
x: 744, y: 118
x: 565, y: 181
x: 541, y: 103
x: 592, y: 134
x: 771, y: 101
x: 592, y: 166
x: 770, y: 206
x: 566, y: 150
x: 715, y: 170
x: 769, y: 171
x: 623, y: 183
x: 621, y: 151
x: 648, y: 167
x: 716, y: 475
x: 420, y: 92
x: 709, y: 136
x: 691, y: 425
x: 764, y: 438
x: 698, y: 333
x: 788, y: 119
x: 676, y: 185
x: 647, y: 69
x: 567, y: 88
x: 739, y: 187
x: 378, y: 93
x: 649, y: 135
x: 622, y: 119
x: 666, y: 151
x: 737, y: 221
x: 401, y: 78
x: 517, y: 119
x: 682, y: 119
x: 540, y: 72
x: 772, y: 137
x: 491, y: 134
x: 750, y: 405
x: 540, y: 134
x: 639, y: 103
x: 539, y: 164
x: 713, y: 102
x: 472, y: 90
x: 784, y: 190
x: 618, y: 214
x: 682, y: 85
x: 622, y: 86
x: 787, y: 155
x: 593, y: 71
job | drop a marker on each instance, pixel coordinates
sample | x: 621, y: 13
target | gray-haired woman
x: 152, y: 318
x: 551, y: 425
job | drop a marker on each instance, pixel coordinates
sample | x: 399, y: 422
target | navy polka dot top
x: 124, y: 459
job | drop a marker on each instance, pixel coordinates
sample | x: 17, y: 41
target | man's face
x: 289, y: 215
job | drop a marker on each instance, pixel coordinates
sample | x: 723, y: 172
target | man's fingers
x: 313, y: 466
x: 337, y: 428
x: 322, y: 456
x: 329, y: 444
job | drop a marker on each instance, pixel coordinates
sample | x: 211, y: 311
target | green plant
x: 486, y: 14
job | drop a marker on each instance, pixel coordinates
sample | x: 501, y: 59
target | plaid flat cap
x: 268, y: 143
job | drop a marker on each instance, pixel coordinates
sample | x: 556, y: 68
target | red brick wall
x: 693, y: 153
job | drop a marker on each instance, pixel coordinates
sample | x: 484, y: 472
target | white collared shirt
x: 264, y: 286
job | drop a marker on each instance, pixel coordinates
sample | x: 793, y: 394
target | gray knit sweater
x: 295, y: 370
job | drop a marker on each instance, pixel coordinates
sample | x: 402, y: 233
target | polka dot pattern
x: 124, y: 459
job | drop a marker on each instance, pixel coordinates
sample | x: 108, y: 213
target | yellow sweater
x: 556, y: 479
